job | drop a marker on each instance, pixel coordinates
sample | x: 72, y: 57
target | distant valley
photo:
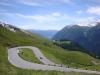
x: 45, y: 33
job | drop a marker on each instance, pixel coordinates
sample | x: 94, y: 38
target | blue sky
x: 48, y: 14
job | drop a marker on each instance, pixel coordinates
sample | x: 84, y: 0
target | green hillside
x: 28, y: 55
x: 69, y: 45
x: 56, y: 54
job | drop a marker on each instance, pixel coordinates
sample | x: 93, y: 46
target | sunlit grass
x: 28, y: 55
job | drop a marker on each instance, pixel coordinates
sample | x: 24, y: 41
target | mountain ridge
x: 82, y: 35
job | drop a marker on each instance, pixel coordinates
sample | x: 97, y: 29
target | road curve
x: 17, y: 61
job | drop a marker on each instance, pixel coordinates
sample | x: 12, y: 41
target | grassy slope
x: 28, y: 55
x: 70, y: 58
x: 11, y: 39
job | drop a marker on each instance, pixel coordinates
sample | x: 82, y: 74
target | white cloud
x: 44, y: 2
x: 67, y: 1
x: 6, y: 14
x: 94, y: 10
x: 56, y: 16
x: 53, y: 17
x: 5, y: 4
x: 90, y: 18
x: 79, y: 12
x: 29, y: 2
x: 3, y: 10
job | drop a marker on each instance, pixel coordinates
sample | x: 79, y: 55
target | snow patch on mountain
x: 88, y: 24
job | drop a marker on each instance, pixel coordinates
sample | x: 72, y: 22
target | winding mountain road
x: 17, y: 61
